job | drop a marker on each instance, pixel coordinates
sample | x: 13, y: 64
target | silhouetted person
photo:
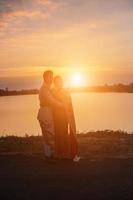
x: 45, y: 114
x: 64, y: 123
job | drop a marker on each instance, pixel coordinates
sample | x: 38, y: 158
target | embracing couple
x: 56, y: 118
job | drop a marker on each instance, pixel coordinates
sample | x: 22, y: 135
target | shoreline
x: 100, y: 92
x: 96, y: 145
x: 91, y: 133
x: 117, y: 88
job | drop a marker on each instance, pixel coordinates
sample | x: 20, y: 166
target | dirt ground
x: 30, y: 177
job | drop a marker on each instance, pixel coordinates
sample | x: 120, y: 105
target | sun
x: 77, y: 79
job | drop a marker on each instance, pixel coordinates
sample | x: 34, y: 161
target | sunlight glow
x: 77, y: 80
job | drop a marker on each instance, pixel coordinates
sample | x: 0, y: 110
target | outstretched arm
x: 53, y: 101
x: 46, y: 97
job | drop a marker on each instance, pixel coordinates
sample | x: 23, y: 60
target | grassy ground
x: 93, y: 144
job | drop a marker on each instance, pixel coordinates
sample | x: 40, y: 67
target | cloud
x: 22, y: 10
x: 56, y: 32
x: 22, y: 13
x: 34, y: 14
x: 26, y: 8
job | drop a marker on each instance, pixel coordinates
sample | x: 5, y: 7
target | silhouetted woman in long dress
x: 65, y: 129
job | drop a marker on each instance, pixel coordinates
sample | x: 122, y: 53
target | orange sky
x: 92, y: 37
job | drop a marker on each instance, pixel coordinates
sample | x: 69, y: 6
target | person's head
x: 48, y: 77
x: 58, y: 82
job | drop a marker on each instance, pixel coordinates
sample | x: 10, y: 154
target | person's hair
x: 47, y: 73
x: 58, y: 77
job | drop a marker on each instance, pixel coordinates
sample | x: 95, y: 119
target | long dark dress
x: 62, y: 143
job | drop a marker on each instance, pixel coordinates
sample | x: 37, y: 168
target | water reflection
x: 93, y: 111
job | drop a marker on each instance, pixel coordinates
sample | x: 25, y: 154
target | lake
x: 93, y: 111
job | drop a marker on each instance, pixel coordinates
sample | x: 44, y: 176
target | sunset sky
x: 90, y: 37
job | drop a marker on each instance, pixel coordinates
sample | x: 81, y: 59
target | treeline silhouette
x: 106, y: 88
x: 121, y: 88
x: 6, y: 92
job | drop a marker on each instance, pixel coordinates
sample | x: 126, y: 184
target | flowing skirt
x: 62, y: 142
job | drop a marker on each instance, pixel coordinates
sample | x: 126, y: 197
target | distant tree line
x: 6, y: 92
x: 104, y: 88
